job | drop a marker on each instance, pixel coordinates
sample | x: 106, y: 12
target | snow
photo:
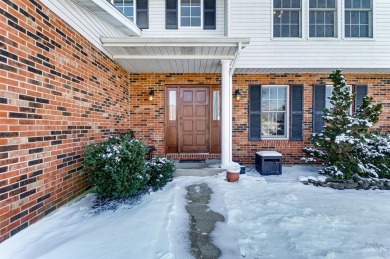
x: 265, y: 217
x: 268, y: 153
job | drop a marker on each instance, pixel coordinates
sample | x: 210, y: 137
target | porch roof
x: 173, y: 55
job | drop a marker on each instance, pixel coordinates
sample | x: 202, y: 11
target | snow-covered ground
x: 266, y: 217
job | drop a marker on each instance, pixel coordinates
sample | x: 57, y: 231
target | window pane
x: 348, y: 17
x: 321, y: 3
x: 329, y: 31
x: 185, y: 11
x: 172, y: 105
x: 294, y: 17
x: 363, y: 17
x: 195, y: 11
x: 195, y: 21
x: 356, y: 4
x: 320, y: 17
x: 348, y: 3
x: 354, y: 17
x: 185, y: 21
x: 366, y: 4
x: 274, y: 105
x: 331, y: 4
x: 355, y: 31
x: 364, y: 31
x: 296, y: 3
x: 329, y: 17
x: 216, y: 106
x: 277, y: 3
x: 320, y: 31
x: 313, y: 3
x: 286, y: 17
x: 294, y: 31
x: 277, y: 31
x: 312, y: 31
x: 286, y: 4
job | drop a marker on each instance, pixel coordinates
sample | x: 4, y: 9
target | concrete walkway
x: 202, y: 221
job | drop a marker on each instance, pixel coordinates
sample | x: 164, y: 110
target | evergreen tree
x: 343, y: 144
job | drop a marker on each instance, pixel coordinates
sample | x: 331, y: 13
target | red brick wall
x: 147, y: 118
x: 243, y: 150
x: 57, y: 94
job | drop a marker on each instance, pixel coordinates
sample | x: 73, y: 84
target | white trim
x: 226, y: 114
x: 189, y: 27
x: 174, y: 42
x: 287, y: 121
x: 171, y: 57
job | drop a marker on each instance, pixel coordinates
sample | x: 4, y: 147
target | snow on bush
x: 346, y: 146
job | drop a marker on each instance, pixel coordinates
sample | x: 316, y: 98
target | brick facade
x: 57, y: 93
x: 148, y: 117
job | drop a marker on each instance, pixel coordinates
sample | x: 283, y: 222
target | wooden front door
x: 191, y: 122
x: 194, y: 120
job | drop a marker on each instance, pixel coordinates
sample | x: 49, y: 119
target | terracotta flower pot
x: 232, y: 176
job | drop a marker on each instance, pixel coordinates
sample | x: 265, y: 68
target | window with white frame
x: 274, y: 111
x: 322, y: 18
x: 287, y: 18
x: 126, y: 7
x: 190, y: 13
x: 358, y: 18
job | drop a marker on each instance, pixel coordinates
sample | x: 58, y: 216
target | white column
x: 226, y: 115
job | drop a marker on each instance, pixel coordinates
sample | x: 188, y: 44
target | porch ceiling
x: 173, y: 55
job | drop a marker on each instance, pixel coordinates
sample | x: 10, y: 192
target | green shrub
x: 116, y: 167
x: 160, y: 172
x: 347, y: 146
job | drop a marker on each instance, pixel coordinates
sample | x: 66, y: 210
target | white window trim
x: 340, y: 24
x: 190, y: 27
x: 287, y: 123
x: 302, y: 19
x: 336, y: 27
x: 134, y: 10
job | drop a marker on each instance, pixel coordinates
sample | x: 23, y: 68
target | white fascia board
x: 174, y: 42
x: 167, y: 57
x: 117, y: 18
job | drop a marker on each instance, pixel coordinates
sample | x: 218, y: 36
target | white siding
x: 157, y: 23
x: 252, y: 18
x: 88, y: 24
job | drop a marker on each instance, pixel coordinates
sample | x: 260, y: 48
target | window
x: 190, y: 13
x: 322, y: 18
x: 126, y: 7
x: 135, y: 10
x: 216, y: 105
x: 328, y: 94
x: 321, y: 94
x: 287, y: 18
x: 358, y: 18
x: 273, y: 111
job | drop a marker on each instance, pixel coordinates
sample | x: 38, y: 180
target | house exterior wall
x: 57, y: 94
x: 157, y: 23
x: 147, y: 118
x: 254, y: 19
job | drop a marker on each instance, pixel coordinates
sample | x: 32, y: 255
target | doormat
x: 192, y: 161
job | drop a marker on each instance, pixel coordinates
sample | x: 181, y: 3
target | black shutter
x: 319, y: 101
x: 255, y: 112
x: 361, y: 92
x: 142, y: 14
x: 171, y: 14
x: 209, y: 14
x: 296, y: 112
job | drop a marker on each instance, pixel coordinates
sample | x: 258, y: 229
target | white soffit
x: 173, y: 55
x: 109, y: 13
